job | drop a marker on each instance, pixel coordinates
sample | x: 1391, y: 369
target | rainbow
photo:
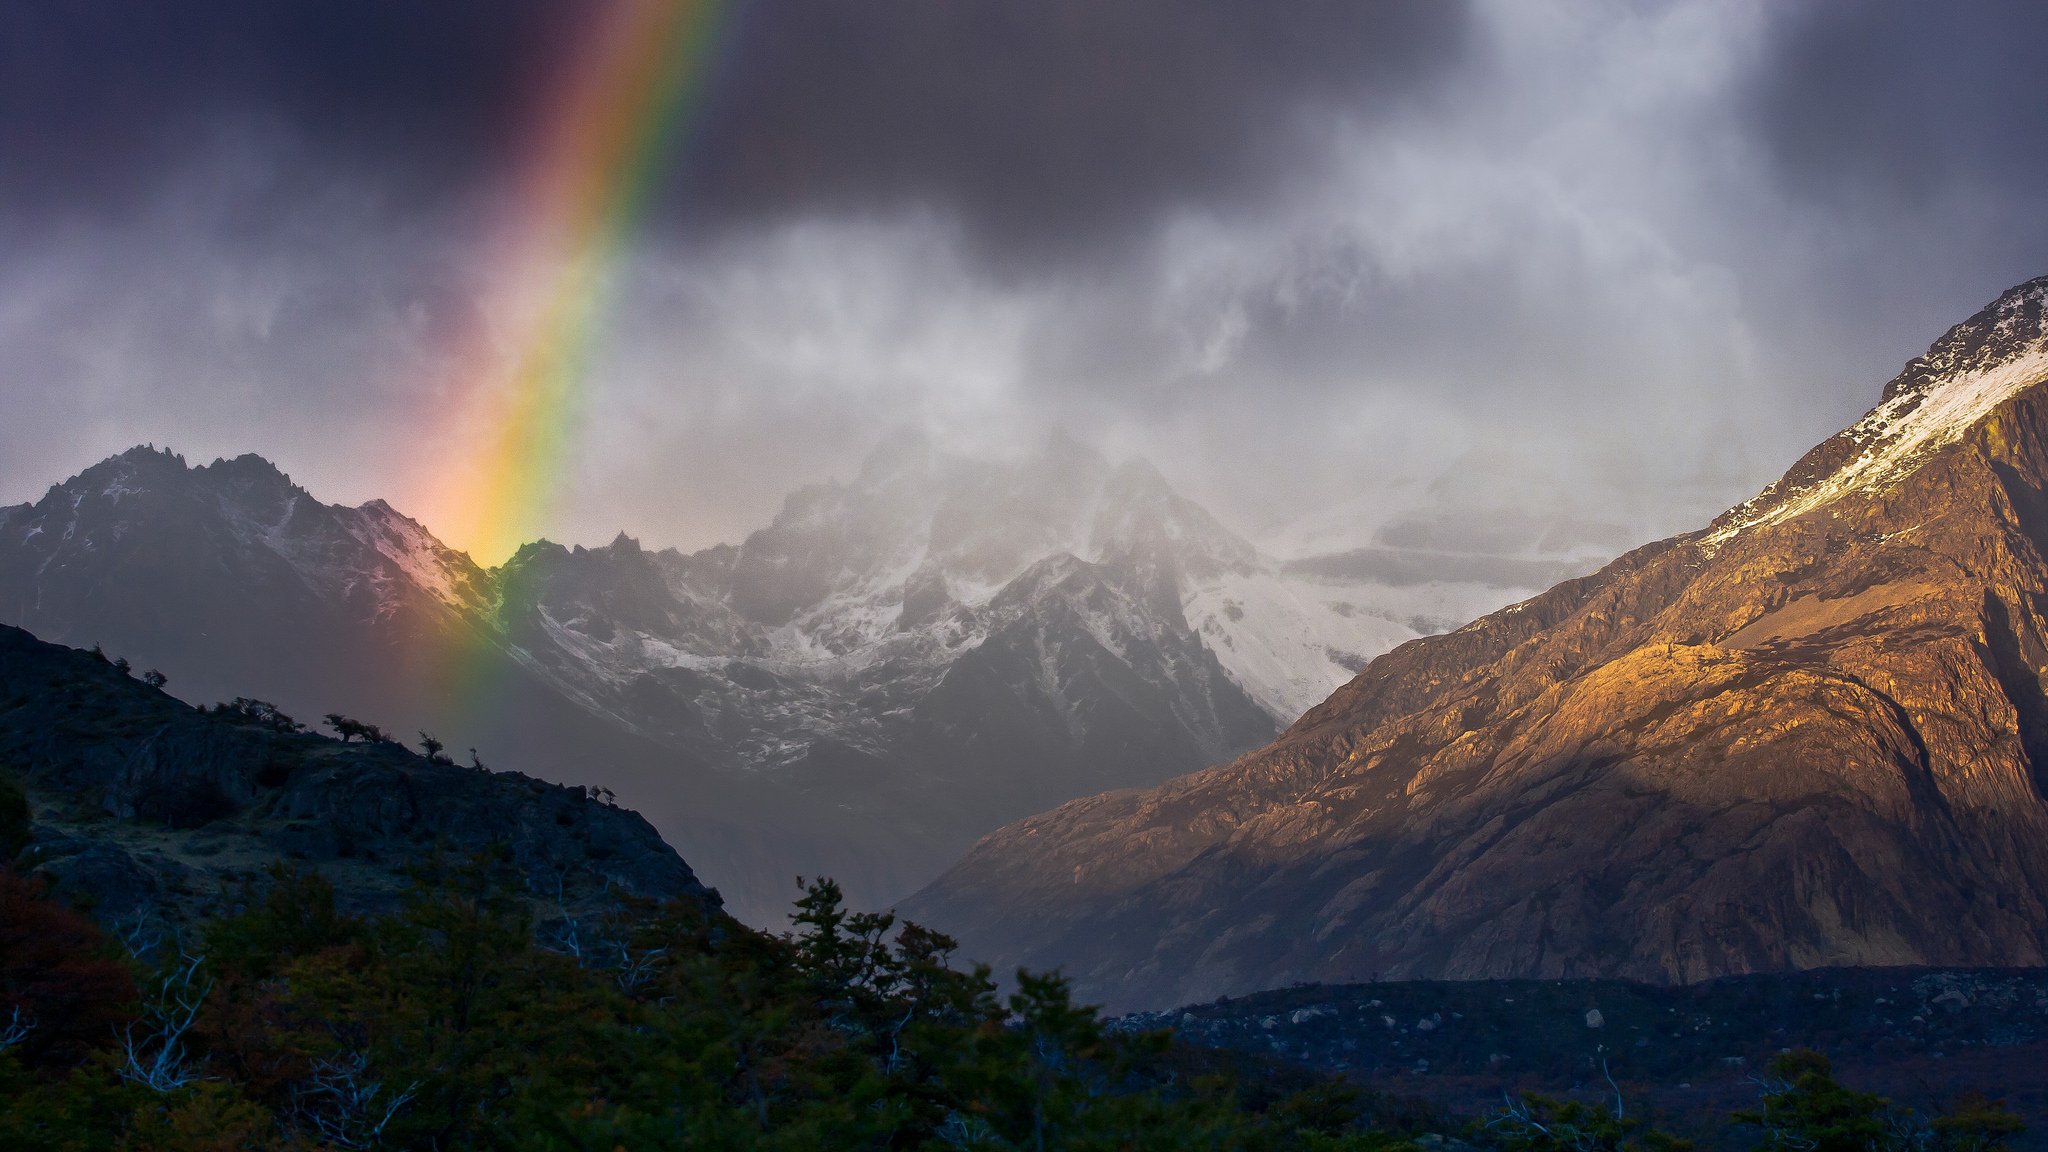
x: 608, y: 125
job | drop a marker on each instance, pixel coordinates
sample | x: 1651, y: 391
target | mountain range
x: 1813, y: 733
x: 894, y: 666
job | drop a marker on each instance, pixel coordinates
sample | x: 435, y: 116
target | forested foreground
x: 474, y: 1019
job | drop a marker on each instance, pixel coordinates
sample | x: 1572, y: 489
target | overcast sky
x: 1623, y: 260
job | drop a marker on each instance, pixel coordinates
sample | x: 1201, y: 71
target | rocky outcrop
x: 1814, y: 734
x: 143, y: 806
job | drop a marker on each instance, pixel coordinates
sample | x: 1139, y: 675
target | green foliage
x: 460, y: 1022
x: 1541, y: 1124
x: 1975, y: 1124
x: 1805, y: 1110
x: 290, y: 917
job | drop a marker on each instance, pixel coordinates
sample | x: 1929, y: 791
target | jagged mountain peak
x: 1060, y: 568
x: 1965, y: 376
x: 2012, y: 327
x: 148, y: 456
x: 249, y: 466
x: 258, y: 519
x: 380, y: 512
x: 973, y: 522
x: 1798, y: 740
x: 1141, y: 515
x: 532, y: 552
x: 249, y: 484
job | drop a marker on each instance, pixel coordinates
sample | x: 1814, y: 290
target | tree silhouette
x: 260, y: 713
x: 432, y: 747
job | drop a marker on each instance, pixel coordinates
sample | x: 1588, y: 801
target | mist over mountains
x: 1814, y: 733
x: 894, y: 666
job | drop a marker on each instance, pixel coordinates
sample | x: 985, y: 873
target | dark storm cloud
x: 1909, y: 137
x: 1303, y: 254
x: 1051, y: 125
x: 1907, y: 101
x: 99, y: 97
x: 1032, y: 125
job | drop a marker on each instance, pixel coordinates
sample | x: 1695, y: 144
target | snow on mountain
x: 1411, y: 558
x: 872, y: 588
x: 429, y: 565
x: 1826, y: 731
x: 1978, y: 365
x: 1289, y: 641
x: 240, y: 514
x: 930, y: 648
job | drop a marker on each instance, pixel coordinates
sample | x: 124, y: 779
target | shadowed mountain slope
x: 1814, y: 733
x: 143, y: 807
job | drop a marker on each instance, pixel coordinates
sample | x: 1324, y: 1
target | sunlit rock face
x: 1814, y: 733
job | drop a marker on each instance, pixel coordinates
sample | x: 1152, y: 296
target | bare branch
x: 157, y: 1058
x: 344, y: 1106
x: 17, y: 1028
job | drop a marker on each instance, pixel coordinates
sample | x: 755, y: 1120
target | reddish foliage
x: 59, y: 968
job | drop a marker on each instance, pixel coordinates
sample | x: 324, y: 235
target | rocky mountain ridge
x: 145, y: 809
x: 895, y: 665
x: 1813, y: 734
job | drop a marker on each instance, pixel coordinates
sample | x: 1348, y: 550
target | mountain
x: 1814, y: 733
x: 145, y: 809
x: 895, y: 665
x: 924, y: 651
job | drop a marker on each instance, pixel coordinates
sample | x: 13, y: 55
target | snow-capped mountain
x: 900, y: 662
x: 228, y: 572
x: 881, y: 584
x: 1813, y: 733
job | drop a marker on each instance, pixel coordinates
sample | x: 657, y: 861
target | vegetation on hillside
x: 471, y: 1019
x: 468, y: 1021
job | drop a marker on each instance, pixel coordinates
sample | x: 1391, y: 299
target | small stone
x: 1594, y: 1019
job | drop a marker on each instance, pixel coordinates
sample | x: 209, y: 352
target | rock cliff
x: 1815, y: 733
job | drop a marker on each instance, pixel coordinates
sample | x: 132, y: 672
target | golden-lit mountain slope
x: 1814, y: 733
